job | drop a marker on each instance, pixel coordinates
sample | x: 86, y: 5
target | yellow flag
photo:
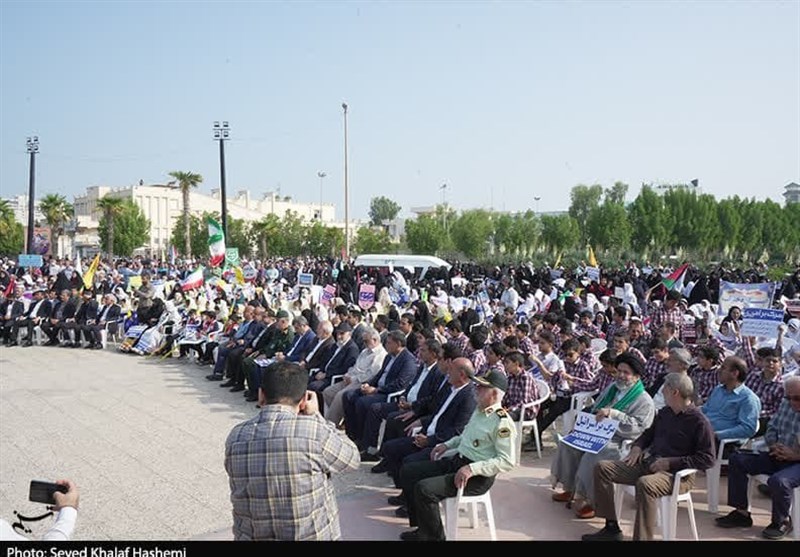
x: 239, y: 275
x: 558, y: 262
x: 88, y: 276
x: 592, y: 258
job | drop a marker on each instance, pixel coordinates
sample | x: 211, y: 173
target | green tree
x: 648, y: 219
x: 608, y: 227
x: 266, y: 234
x: 372, y: 240
x: 730, y: 222
x: 381, y: 209
x: 322, y: 241
x: 186, y: 181
x: 12, y: 241
x: 57, y: 212
x: 471, y: 231
x: 131, y: 229
x: 110, y: 208
x: 582, y: 200
x: 560, y: 233
x: 424, y: 235
x: 616, y: 193
x: 238, y: 236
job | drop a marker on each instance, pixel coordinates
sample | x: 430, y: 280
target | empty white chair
x: 598, y: 345
x: 452, y: 504
x: 382, y: 430
x: 762, y: 478
x: 667, y: 506
x: 543, y: 389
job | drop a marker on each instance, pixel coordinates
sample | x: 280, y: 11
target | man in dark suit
x: 449, y: 420
x: 86, y: 313
x: 11, y: 311
x: 105, y: 315
x: 343, y: 358
x: 236, y: 355
x: 63, y: 310
x: 324, y: 347
x: 430, y: 378
x: 245, y: 334
x: 356, y: 320
x: 38, y: 311
x: 304, y: 341
x: 397, y: 372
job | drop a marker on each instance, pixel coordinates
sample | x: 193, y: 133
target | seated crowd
x: 426, y: 392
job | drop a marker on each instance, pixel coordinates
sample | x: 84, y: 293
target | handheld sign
x: 30, y: 260
x: 759, y: 322
x: 305, y: 279
x: 366, y: 296
x: 589, y: 435
x: 328, y: 293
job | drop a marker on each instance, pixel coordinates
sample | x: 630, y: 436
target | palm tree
x: 6, y: 213
x: 186, y: 181
x: 57, y: 211
x: 111, y: 208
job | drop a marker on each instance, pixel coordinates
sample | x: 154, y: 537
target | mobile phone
x: 42, y: 492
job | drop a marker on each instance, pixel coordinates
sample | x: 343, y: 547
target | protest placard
x: 305, y: 279
x: 758, y: 322
x: 30, y: 260
x: 593, y: 273
x: 328, y: 293
x: 744, y: 295
x: 589, y: 435
x: 366, y: 296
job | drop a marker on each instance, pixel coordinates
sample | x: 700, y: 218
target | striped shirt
x: 784, y: 427
x: 527, y: 347
x: 581, y: 372
x: 614, y: 328
x: 770, y: 393
x: 279, y: 465
x: 461, y: 342
x: 704, y: 381
x: 653, y: 369
x: 591, y: 330
x: 521, y: 390
x: 661, y: 315
x: 599, y: 383
x: 478, y: 359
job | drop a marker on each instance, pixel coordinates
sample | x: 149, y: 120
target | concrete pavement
x: 144, y: 440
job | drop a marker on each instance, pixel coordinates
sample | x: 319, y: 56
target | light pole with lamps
x: 346, y: 191
x: 536, y: 199
x: 222, y: 134
x: 321, y: 176
x: 33, y: 148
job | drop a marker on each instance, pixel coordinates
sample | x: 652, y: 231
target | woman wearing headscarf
x: 624, y: 400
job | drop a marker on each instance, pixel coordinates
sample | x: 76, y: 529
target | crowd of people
x: 428, y: 379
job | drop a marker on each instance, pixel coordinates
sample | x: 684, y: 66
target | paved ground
x: 144, y: 440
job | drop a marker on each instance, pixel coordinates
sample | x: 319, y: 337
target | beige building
x: 162, y: 204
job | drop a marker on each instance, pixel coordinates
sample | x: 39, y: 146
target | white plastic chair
x: 382, y: 430
x: 713, y: 474
x: 577, y: 403
x: 667, y: 506
x: 544, y: 393
x: 762, y: 478
x: 598, y: 345
x: 452, y: 504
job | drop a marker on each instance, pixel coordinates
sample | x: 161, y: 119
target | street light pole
x: 222, y: 134
x: 321, y: 176
x: 33, y: 148
x: 443, y: 187
x: 536, y: 199
x: 346, y: 191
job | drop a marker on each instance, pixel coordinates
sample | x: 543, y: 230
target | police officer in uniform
x: 472, y: 459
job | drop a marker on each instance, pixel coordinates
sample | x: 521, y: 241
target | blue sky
x: 503, y: 101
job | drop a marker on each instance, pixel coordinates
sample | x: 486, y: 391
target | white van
x: 417, y: 264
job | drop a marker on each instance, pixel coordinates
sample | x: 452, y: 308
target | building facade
x: 162, y: 204
x: 792, y: 193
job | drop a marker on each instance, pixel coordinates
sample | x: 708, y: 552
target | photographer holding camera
x: 66, y: 506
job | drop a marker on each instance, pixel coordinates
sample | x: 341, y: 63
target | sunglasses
x: 792, y: 398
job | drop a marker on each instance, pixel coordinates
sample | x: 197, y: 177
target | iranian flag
x: 216, y: 242
x: 193, y: 280
x: 675, y: 278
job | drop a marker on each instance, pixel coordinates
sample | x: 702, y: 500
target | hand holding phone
x: 44, y: 492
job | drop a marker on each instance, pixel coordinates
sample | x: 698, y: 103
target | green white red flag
x: 216, y: 242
